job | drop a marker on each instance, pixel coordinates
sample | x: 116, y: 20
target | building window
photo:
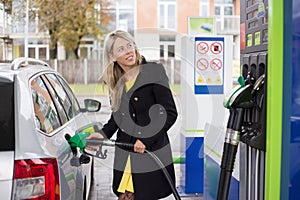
x: 223, y: 9
x: 38, y: 51
x: 228, y: 10
x: 161, y: 50
x: 171, y: 51
x: 167, y: 46
x: 223, y: 1
x: 204, y: 8
x: 167, y: 14
x: 121, y: 16
x: 224, y: 12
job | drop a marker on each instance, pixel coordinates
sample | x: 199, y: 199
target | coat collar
x: 147, y: 75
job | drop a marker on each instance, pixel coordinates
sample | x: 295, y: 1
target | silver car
x: 38, y: 114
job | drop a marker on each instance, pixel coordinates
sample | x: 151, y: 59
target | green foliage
x: 68, y: 21
x: 7, y: 4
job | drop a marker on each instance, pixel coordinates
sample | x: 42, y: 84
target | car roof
x: 5, y: 72
x: 24, y: 67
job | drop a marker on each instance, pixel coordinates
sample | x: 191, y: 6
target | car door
x: 55, y: 124
x: 68, y: 100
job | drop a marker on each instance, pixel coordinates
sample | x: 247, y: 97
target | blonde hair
x: 113, y: 73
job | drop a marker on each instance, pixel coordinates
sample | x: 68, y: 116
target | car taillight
x: 36, y: 179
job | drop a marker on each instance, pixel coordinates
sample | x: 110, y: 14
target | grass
x: 99, y: 89
x: 82, y: 89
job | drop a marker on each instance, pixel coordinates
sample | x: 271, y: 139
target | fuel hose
x: 230, y: 155
x: 229, y: 130
x: 112, y: 143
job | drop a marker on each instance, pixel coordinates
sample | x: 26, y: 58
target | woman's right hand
x: 95, y: 135
x: 139, y: 147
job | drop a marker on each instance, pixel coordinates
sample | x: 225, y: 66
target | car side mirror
x: 91, y: 105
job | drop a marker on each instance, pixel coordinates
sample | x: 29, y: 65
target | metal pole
x: 4, y: 32
x: 55, y: 64
x: 172, y: 70
x: 117, y: 15
x: 85, y: 65
x: 26, y: 30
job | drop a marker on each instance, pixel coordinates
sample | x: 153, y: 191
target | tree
x: 7, y: 5
x: 68, y: 21
x: 50, y: 14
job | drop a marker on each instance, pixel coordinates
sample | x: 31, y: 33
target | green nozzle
x: 242, y: 84
x: 79, y: 140
x: 241, y: 81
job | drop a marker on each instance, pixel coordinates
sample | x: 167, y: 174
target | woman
x: 143, y: 110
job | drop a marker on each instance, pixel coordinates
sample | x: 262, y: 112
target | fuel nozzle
x: 250, y: 79
x: 259, y: 82
x: 242, y: 98
x: 79, y: 140
x: 228, y: 98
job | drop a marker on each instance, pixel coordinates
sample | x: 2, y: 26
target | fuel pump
x: 239, y: 103
x: 254, y: 54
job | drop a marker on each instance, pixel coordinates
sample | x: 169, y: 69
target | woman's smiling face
x: 124, y: 53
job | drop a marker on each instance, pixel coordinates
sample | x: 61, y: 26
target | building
x: 161, y: 23
x: 157, y: 26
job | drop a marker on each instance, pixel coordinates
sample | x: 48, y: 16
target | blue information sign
x: 209, y: 65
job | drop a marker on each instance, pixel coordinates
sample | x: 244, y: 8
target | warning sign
x: 202, y: 48
x: 216, y: 48
x: 216, y: 64
x: 209, y: 61
x: 202, y: 64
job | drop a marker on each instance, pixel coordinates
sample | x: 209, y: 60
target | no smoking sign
x: 202, y: 64
x: 202, y: 47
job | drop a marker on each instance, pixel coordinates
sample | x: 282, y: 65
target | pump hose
x: 225, y: 176
x: 106, y: 142
x: 229, y: 154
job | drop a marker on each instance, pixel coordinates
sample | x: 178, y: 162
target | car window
x: 58, y: 97
x: 73, y: 99
x: 62, y: 95
x: 45, y: 112
x: 7, y: 142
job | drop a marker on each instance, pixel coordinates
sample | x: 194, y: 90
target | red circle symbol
x: 216, y: 48
x: 202, y: 48
x: 216, y: 64
x: 202, y: 64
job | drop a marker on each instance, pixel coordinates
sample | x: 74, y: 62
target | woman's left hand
x: 139, y: 147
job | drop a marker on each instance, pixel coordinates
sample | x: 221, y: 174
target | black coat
x: 147, y: 112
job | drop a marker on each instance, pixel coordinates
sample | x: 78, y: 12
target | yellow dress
x: 126, y: 183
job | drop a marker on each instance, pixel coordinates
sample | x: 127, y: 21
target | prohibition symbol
x: 216, y: 48
x: 216, y: 64
x: 202, y: 48
x: 202, y: 64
